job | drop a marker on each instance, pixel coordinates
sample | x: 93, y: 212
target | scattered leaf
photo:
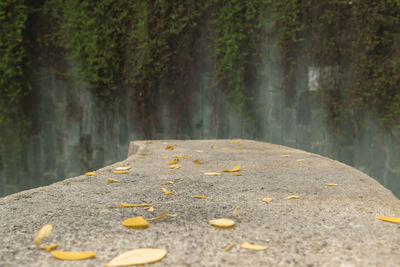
x: 293, y: 197
x: 237, y: 173
x: 239, y: 147
x: 166, y: 191
x: 49, y: 247
x: 187, y: 157
x: 120, y: 172
x: 198, y: 161
x: 237, y: 212
x: 169, y: 182
x: 234, y: 141
x: 284, y: 156
x: 230, y: 246
x: 150, y: 208
x: 212, y: 173
x: 389, y: 219
x: 144, y: 156
x: 165, y: 143
x: 235, y: 169
x: 213, y: 147
x: 176, y: 166
x: 125, y: 168
x: 247, y: 245
x: 178, y: 156
x: 138, y: 256
x: 172, y: 162
x: 331, y: 184
x: 300, y: 160
x: 73, y: 255
x: 163, y: 216
x: 200, y: 196
x: 223, y: 223
x: 127, y: 205
x: 110, y: 181
x: 226, y: 148
x: 42, y: 233
x: 199, y: 151
x: 267, y: 199
x: 90, y: 173
x: 135, y: 223
x: 169, y: 147
x: 163, y: 157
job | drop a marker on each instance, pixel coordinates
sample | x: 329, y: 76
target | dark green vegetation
x: 146, y: 46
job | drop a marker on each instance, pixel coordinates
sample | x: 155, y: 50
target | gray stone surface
x: 326, y: 226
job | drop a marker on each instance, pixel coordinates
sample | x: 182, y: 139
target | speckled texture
x: 327, y: 226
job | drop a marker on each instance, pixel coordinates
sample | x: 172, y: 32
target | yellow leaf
x: 42, y: 233
x: 197, y: 161
x: 138, y: 256
x: 212, y: 173
x: 237, y: 212
x: 213, y: 147
x: 166, y: 191
x: 199, y: 151
x: 389, y: 219
x: 163, y: 216
x: 176, y: 166
x: 200, y: 196
x: 239, y: 147
x: 135, y: 223
x: 125, y: 168
x: 284, y: 156
x: 187, y: 157
x: 172, y: 162
x: 127, y: 205
x: 178, y: 156
x: 49, y: 247
x: 235, y: 169
x: 222, y: 223
x: 226, y: 148
x: 234, y: 142
x: 144, y: 156
x: 247, y: 245
x: 267, y: 199
x: 90, y: 174
x: 169, y: 182
x: 237, y: 173
x: 110, y: 181
x: 230, y: 246
x: 300, y: 160
x: 331, y: 184
x: 293, y: 197
x: 73, y: 255
x: 120, y: 172
x: 149, y: 209
x: 169, y: 147
x: 163, y: 157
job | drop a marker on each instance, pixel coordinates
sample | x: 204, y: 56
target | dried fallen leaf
x: 213, y: 147
x: 169, y: 182
x: 163, y: 157
x: 293, y: 197
x: 284, y: 156
x: 163, y: 216
x: 267, y: 199
x: 226, y: 148
x: 331, y: 184
x: 90, y: 173
x: 199, y: 151
x: 176, y: 166
x: 166, y: 191
x: 172, y: 162
x: 235, y: 169
x: 127, y: 205
x: 389, y: 219
x: 149, y: 209
x: 200, y: 196
x: 110, y: 181
x: 247, y: 245
x: 49, y: 247
x: 234, y: 142
x: 120, y: 172
x: 124, y: 168
x: 300, y: 160
x: 239, y: 147
x: 223, y: 223
x: 187, y: 157
x: 135, y: 223
x: 138, y: 256
x: 237, y: 212
x: 73, y: 255
x: 178, y: 156
x: 197, y: 161
x: 212, y: 173
x: 42, y: 233
x: 169, y: 147
x: 230, y: 246
x: 237, y: 173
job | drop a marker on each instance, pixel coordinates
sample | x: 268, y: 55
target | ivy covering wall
x: 145, y: 46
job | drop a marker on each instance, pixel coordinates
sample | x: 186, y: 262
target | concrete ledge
x: 326, y: 226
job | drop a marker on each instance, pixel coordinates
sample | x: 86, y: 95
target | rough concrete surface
x: 326, y: 226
